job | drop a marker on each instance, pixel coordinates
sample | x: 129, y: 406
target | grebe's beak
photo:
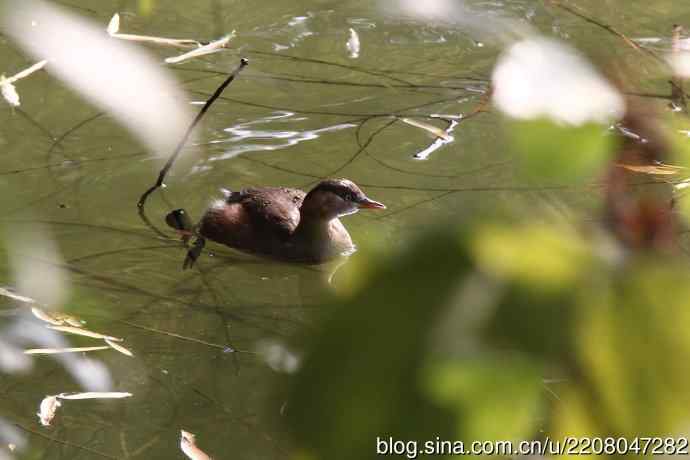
x: 366, y: 203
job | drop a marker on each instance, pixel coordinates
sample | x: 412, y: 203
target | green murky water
x: 303, y: 110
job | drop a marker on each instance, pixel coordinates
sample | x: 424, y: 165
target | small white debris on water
x: 352, y: 44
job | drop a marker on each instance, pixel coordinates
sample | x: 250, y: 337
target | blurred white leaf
x: 11, y: 435
x: 431, y: 9
x: 117, y: 77
x: 91, y: 374
x: 540, y: 77
x: 469, y: 17
x: 352, y: 44
x: 37, y: 264
x: 278, y: 357
x: 12, y: 359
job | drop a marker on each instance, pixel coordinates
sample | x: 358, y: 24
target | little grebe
x: 283, y: 223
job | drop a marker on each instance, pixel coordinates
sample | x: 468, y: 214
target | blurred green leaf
x: 146, y: 7
x: 362, y: 377
x: 560, y: 154
x: 494, y: 398
x: 537, y: 254
x: 633, y: 344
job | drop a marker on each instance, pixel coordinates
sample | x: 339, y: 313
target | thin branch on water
x: 163, y: 172
x: 225, y: 348
x: 63, y: 443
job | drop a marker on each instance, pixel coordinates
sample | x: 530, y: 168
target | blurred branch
x: 183, y: 142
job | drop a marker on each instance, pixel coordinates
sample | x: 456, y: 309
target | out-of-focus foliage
x: 463, y: 335
x: 559, y: 153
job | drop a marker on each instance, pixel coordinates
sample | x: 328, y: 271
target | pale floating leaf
x: 189, y: 447
x: 436, y: 131
x: 659, y: 169
x: 212, y: 47
x: 69, y: 319
x: 26, y: 72
x: 352, y: 44
x: 115, y: 76
x: 12, y: 295
x: 118, y: 347
x: 84, y: 332
x: 95, y: 395
x: 437, y: 144
x: 55, y: 351
x: 47, y: 409
x: 9, y: 93
x: 46, y: 317
x: 114, y: 24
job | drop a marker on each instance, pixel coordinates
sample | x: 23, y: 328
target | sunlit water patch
x: 249, y: 137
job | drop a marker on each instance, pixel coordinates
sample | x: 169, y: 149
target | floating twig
x: 7, y: 88
x: 225, y: 348
x: 14, y: 296
x: 26, y: 72
x: 55, y: 351
x: 657, y: 169
x: 95, y: 395
x: 63, y: 442
x: 84, y: 332
x: 114, y: 31
x: 210, y: 48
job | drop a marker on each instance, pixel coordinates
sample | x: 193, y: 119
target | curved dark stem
x: 185, y: 138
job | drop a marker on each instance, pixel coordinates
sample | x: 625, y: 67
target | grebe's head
x: 335, y: 198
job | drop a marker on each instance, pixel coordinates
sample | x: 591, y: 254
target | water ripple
x: 242, y: 134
